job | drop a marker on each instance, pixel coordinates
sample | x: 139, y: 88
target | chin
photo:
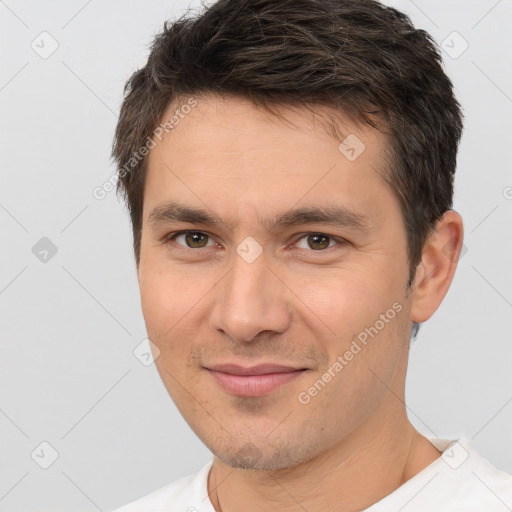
x: 253, y: 457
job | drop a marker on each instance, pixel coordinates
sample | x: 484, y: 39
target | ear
x: 439, y: 261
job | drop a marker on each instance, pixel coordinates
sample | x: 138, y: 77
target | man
x: 289, y: 171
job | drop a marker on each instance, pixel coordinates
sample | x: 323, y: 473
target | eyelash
x: 340, y: 241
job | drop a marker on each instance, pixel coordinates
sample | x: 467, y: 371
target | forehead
x: 240, y: 118
x: 226, y: 151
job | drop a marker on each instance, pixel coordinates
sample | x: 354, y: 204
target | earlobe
x: 437, y: 267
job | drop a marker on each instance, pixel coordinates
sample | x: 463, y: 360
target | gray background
x: 70, y: 321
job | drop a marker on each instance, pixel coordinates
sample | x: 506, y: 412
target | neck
x: 358, y: 471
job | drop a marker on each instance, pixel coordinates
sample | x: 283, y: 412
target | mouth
x: 255, y: 380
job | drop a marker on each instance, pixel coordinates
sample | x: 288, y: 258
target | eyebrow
x: 335, y: 215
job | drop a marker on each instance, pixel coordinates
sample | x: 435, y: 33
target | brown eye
x: 318, y: 241
x: 195, y: 240
x: 192, y: 239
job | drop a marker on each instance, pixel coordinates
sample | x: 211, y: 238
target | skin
x: 352, y: 444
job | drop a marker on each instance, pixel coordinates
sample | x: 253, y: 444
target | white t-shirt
x: 460, y: 480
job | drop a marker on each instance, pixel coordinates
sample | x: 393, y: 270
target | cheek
x: 167, y: 296
x: 166, y: 310
x: 361, y: 322
x: 342, y: 304
x: 156, y: 301
x: 173, y: 306
x: 366, y: 349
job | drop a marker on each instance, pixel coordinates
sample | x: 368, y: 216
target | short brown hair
x: 357, y: 56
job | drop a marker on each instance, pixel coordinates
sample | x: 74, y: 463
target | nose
x: 250, y: 300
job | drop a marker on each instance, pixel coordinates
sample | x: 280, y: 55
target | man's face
x: 303, y: 293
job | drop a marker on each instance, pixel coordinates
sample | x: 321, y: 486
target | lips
x: 260, y: 369
x: 253, y: 381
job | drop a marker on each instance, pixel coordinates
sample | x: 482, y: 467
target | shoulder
x: 188, y: 494
x: 460, y: 480
x: 470, y: 481
x: 484, y: 480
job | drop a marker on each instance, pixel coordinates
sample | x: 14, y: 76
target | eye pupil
x: 324, y: 241
x: 192, y: 238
